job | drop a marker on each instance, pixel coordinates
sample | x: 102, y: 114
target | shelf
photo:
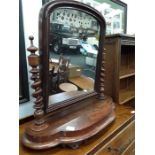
x: 127, y: 64
x: 127, y: 89
x: 120, y: 66
x: 126, y: 72
x: 126, y: 95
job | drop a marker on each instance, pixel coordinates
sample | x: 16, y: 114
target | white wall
x: 31, y: 10
x: 130, y: 16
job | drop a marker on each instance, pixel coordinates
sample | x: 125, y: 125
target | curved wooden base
x: 72, y: 128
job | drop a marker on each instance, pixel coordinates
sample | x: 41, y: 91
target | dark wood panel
x: 110, y: 58
x: 120, y: 67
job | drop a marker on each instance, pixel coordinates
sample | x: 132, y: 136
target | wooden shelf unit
x: 120, y: 67
x: 127, y: 61
x: 127, y: 89
x: 126, y: 72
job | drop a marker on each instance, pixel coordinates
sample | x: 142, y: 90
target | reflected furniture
x: 63, y: 69
x: 53, y: 78
x: 59, y: 74
x: 91, y: 58
x: 83, y: 82
x: 120, y: 66
x: 67, y: 87
x: 74, y: 70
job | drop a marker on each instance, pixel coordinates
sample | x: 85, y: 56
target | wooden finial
x: 32, y: 48
x: 39, y: 123
x: 31, y: 38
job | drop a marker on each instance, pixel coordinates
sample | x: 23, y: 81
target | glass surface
x: 113, y: 12
x: 73, y: 45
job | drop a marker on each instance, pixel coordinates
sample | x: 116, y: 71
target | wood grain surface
x: 124, y: 117
x: 72, y: 125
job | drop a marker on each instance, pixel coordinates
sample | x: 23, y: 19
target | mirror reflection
x: 73, y: 46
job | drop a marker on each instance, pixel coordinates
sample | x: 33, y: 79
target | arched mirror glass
x: 73, y: 46
x: 71, y: 38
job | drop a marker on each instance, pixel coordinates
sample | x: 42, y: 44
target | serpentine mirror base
x: 74, y: 126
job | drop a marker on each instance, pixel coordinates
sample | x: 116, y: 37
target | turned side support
x: 39, y: 123
x: 102, y: 76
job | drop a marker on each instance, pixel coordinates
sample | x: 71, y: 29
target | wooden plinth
x: 73, y: 126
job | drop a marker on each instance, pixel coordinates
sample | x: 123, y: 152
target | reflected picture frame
x: 115, y: 5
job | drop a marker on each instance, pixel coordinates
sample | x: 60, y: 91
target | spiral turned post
x: 39, y: 122
x: 102, y: 77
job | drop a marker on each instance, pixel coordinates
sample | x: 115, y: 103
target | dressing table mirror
x: 72, y: 50
x: 68, y: 77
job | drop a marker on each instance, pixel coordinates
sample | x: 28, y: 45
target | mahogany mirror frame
x: 66, y: 124
x: 44, y: 28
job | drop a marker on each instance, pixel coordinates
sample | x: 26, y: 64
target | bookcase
x: 120, y: 68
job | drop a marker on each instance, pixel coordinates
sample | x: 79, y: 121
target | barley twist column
x: 102, y: 77
x: 39, y: 122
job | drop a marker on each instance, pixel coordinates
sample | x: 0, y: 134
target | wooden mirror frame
x: 77, y: 120
x: 45, y: 12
